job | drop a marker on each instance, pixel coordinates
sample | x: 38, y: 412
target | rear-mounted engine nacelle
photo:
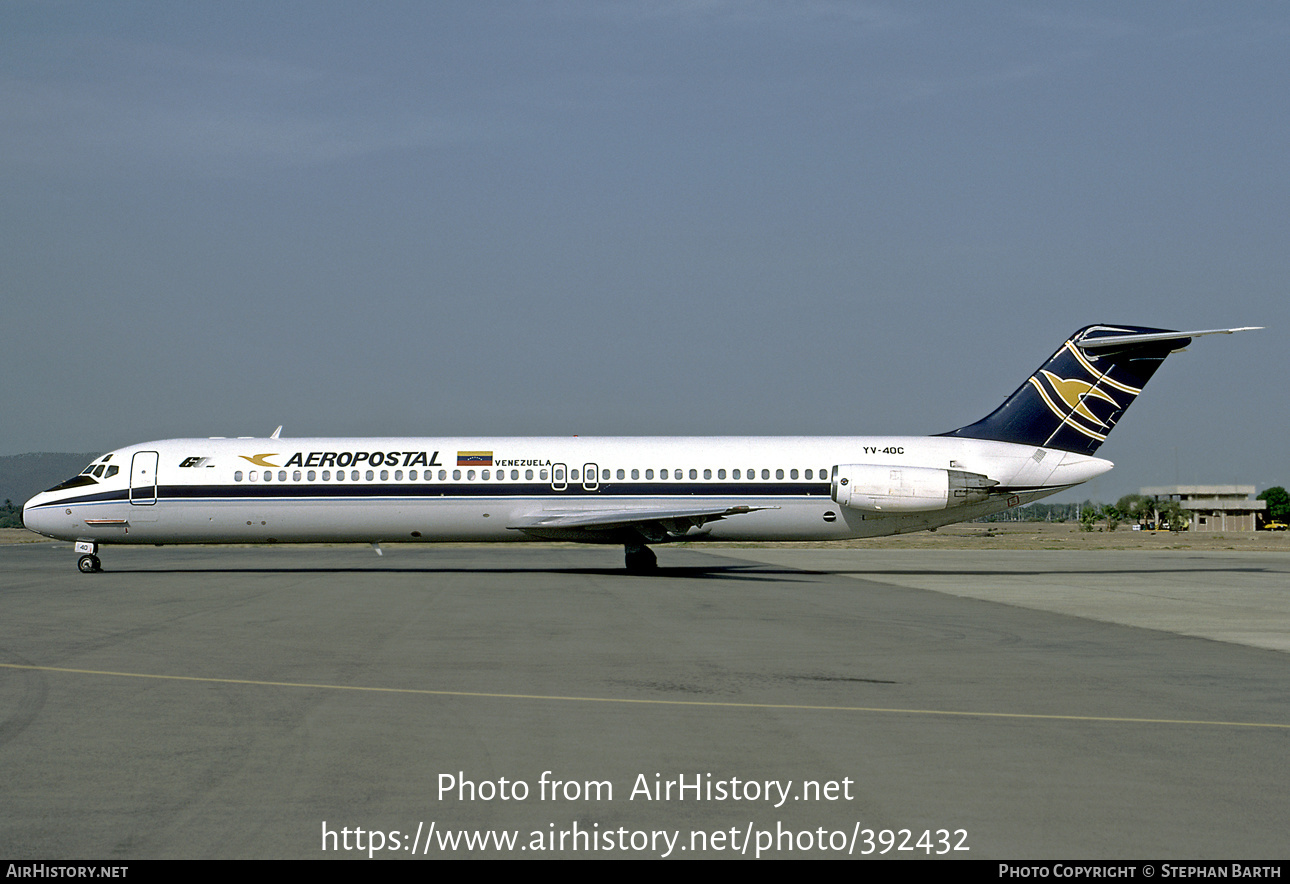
x: 875, y: 488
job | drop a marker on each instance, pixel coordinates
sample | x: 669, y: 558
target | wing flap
x: 653, y: 523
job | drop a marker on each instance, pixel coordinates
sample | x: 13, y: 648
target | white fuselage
x: 487, y: 489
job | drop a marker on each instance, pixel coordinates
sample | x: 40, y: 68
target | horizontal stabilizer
x: 1074, y: 400
x: 1100, y: 338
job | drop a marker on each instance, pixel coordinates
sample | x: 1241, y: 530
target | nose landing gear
x: 89, y: 562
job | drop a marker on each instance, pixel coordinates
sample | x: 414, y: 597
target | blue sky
x: 638, y: 218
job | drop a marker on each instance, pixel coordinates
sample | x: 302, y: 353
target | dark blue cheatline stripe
x: 447, y: 490
x: 361, y: 490
x: 100, y: 497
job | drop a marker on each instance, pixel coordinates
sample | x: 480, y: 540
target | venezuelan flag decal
x: 474, y: 458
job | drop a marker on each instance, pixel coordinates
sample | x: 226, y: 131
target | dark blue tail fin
x: 1076, y: 398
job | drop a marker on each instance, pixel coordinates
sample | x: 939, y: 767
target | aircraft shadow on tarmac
x: 688, y: 572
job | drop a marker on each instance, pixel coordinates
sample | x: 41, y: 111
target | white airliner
x: 629, y: 491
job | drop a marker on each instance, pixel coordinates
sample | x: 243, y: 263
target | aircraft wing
x: 652, y: 523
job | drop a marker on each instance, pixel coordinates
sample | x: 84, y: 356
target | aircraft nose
x: 37, y: 518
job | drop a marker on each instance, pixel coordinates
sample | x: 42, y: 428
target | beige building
x: 1214, y: 507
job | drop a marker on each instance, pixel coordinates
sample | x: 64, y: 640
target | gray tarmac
x: 270, y: 702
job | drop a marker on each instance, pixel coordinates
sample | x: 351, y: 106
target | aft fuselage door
x: 143, y: 478
x: 559, y: 477
x: 590, y: 477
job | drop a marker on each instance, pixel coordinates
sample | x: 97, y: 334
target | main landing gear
x: 640, y: 558
x: 89, y: 562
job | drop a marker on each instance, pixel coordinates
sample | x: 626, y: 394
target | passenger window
x: 237, y: 477
x: 677, y: 474
x: 326, y: 475
x: 779, y: 474
x: 353, y: 475
x: 542, y: 475
x: 707, y: 474
x: 311, y: 475
x: 649, y: 474
x: 470, y: 475
x: 456, y: 475
x: 282, y: 475
x: 636, y: 474
x: 515, y: 475
x: 528, y: 474
x: 483, y: 474
x: 412, y: 475
x: 808, y: 474
x: 622, y: 474
x: 694, y: 474
x: 765, y: 474
x: 295, y: 476
x: 735, y: 474
x: 573, y: 474
x: 662, y: 474
x: 268, y: 475
x: 604, y: 474
x: 385, y: 475
x: 253, y: 476
x: 792, y: 474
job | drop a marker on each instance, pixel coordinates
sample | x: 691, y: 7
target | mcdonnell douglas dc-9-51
x: 632, y: 491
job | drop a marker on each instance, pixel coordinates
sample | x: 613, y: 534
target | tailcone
x: 1077, y: 468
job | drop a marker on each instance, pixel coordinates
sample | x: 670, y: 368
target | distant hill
x: 22, y: 475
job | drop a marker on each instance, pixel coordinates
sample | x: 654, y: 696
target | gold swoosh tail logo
x: 1073, y: 392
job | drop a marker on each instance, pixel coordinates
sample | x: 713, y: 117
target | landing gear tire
x: 89, y: 564
x: 641, y: 560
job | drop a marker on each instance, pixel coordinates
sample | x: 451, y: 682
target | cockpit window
x: 74, y: 482
x: 98, y: 470
x: 96, y: 466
